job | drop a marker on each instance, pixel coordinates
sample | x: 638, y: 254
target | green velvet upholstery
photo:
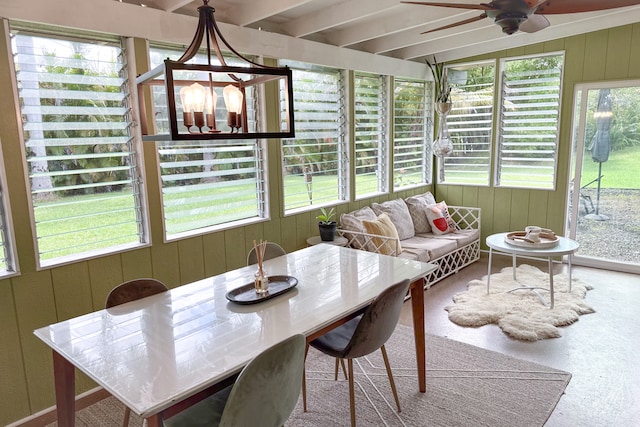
x: 369, y: 331
x: 264, y: 394
x: 363, y: 335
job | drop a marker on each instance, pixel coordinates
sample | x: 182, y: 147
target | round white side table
x: 337, y: 241
x: 565, y: 246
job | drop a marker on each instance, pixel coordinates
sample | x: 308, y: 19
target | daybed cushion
x: 440, y: 220
x: 382, y: 226
x: 399, y: 215
x: 418, y: 206
x: 435, y: 248
x: 461, y: 237
x: 353, y: 221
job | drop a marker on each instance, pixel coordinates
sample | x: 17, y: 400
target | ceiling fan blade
x: 534, y: 23
x: 577, y: 6
x: 466, y: 21
x: 454, y: 5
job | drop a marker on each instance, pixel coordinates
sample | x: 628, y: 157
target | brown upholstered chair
x: 272, y: 250
x: 130, y: 291
x: 363, y: 335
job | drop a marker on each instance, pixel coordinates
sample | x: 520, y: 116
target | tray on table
x: 547, y: 240
x: 247, y: 294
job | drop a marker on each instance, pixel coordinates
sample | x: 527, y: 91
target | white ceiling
x: 389, y: 28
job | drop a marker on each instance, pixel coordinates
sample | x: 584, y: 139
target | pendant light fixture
x: 192, y: 92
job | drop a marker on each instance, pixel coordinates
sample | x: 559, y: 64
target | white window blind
x: 470, y: 124
x: 412, y: 130
x: 84, y: 182
x: 529, y: 122
x: 315, y: 162
x: 371, y: 115
x: 208, y: 184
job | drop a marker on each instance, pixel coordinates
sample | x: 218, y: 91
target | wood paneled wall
x: 34, y: 298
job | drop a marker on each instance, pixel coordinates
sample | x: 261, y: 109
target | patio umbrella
x: 601, y: 142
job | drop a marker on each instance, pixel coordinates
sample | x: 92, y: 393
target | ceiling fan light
x: 510, y: 21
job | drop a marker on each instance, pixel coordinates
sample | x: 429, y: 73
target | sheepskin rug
x: 520, y: 314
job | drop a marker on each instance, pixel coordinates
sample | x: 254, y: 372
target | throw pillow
x: 353, y: 222
x: 418, y: 206
x: 382, y: 226
x: 399, y: 215
x: 440, y: 220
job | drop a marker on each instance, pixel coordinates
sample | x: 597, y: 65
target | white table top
x: 565, y: 246
x: 338, y: 241
x: 154, y: 352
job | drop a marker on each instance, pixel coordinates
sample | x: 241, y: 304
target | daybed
x: 417, y: 228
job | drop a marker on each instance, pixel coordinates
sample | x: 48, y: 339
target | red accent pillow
x: 440, y: 220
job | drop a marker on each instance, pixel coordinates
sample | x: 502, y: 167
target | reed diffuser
x: 261, y: 278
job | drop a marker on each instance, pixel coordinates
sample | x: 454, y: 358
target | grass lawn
x: 622, y: 170
x: 217, y: 204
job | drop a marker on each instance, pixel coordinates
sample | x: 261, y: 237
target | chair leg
x: 344, y: 370
x: 127, y: 414
x: 390, y: 375
x: 352, y: 395
x: 304, y: 380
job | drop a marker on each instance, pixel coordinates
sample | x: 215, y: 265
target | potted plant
x: 442, y: 146
x: 443, y: 90
x: 326, y: 224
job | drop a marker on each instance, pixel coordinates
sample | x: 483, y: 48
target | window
x: 370, y: 105
x: 7, y: 265
x: 529, y: 122
x: 412, y: 130
x: 315, y: 161
x: 209, y: 184
x: 83, y: 174
x: 470, y: 122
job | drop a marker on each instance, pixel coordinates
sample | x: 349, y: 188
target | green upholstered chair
x: 264, y: 394
x: 363, y: 335
x: 272, y: 250
x: 130, y: 291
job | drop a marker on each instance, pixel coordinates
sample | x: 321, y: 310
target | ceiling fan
x: 525, y: 15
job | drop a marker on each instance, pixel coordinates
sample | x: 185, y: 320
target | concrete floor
x: 600, y: 350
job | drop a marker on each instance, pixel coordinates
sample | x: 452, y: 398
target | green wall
x: 35, y: 298
x: 598, y: 56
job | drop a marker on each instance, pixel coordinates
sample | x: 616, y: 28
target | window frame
x: 426, y: 138
x: 7, y: 239
x: 341, y: 136
x: 257, y: 146
x: 500, y: 116
x: 382, y: 165
x: 450, y: 120
x: 133, y: 152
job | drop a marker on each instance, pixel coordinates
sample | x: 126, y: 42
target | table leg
x: 417, y: 309
x: 64, y: 377
x: 154, y: 421
x: 570, y: 256
x: 551, y: 282
x: 513, y: 266
x: 489, y: 271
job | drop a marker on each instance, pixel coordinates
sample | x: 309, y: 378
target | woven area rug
x: 466, y: 386
x: 521, y: 314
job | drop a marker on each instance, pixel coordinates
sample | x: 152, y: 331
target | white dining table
x: 162, y: 353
